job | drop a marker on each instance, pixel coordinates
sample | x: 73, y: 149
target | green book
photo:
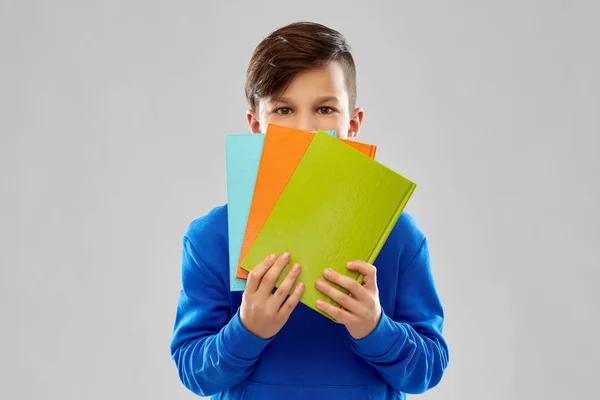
x: 339, y: 205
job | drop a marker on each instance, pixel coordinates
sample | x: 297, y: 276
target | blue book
x: 242, y: 158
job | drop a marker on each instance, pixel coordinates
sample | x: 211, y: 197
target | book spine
x: 373, y: 151
x: 388, y: 229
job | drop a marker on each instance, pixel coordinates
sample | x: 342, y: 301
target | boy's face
x: 316, y: 99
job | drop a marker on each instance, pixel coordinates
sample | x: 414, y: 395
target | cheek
x: 266, y: 119
x: 338, y: 123
x: 341, y: 129
x: 330, y: 126
x: 342, y: 134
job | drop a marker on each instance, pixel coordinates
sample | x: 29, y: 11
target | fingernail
x: 296, y: 268
x: 272, y: 257
x: 285, y: 255
x: 320, y: 303
x: 327, y: 272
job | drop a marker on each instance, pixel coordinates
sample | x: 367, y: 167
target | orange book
x: 283, y: 149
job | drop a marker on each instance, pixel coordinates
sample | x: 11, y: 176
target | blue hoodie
x: 311, y: 357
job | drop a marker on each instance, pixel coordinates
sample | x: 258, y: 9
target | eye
x: 325, y: 110
x: 283, y: 111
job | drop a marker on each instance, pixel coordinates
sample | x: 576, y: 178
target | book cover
x: 242, y: 158
x: 283, y: 149
x: 339, y: 205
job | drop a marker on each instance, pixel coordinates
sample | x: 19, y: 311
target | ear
x: 253, y: 122
x: 355, y: 123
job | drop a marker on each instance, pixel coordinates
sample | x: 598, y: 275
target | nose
x: 306, y: 123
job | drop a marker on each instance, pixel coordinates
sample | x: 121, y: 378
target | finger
x: 286, y: 286
x: 362, y: 267
x: 340, y: 315
x: 367, y: 270
x: 272, y: 275
x: 349, y: 303
x: 292, y: 301
x: 257, y: 273
x: 355, y: 288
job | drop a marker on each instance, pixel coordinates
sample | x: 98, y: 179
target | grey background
x: 112, y: 116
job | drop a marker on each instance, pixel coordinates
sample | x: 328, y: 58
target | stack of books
x: 325, y: 200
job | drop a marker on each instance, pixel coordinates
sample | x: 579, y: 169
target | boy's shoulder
x: 406, y: 238
x: 208, y: 234
x: 408, y: 228
x: 213, y: 222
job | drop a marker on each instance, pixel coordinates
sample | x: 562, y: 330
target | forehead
x: 328, y: 81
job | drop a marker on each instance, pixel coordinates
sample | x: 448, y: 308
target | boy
x: 258, y: 345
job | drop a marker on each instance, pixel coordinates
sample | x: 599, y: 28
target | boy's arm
x: 408, y: 348
x: 212, y: 354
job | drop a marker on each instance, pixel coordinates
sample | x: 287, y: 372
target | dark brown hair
x: 292, y: 49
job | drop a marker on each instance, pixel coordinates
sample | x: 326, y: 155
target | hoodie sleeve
x: 408, y: 348
x: 212, y: 351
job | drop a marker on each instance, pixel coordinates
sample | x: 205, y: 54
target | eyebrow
x: 322, y: 99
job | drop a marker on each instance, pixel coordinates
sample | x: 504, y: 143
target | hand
x: 360, y: 312
x: 262, y: 312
